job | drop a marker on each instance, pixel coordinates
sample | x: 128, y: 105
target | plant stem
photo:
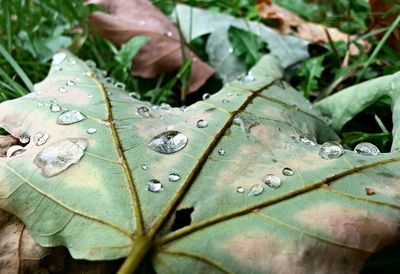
x: 139, y: 251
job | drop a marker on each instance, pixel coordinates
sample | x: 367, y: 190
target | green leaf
x: 311, y: 70
x: 220, y: 51
x: 129, y: 50
x: 87, y: 186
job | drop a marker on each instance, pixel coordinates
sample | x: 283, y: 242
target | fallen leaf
x: 162, y: 53
x: 290, y: 23
x: 232, y: 184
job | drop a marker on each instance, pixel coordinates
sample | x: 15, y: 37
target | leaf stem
x: 139, y: 251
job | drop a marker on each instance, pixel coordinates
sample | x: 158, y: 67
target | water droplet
x: 72, y: 61
x: 134, y: 95
x: 15, y: 150
x: 367, y: 149
x: 108, y: 80
x: 226, y: 101
x: 143, y: 111
x: 249, y: 77
x: 240, y: 189
x: 62, y: 89
x: 230, y: 50
x: 91, y: 130
x: 221, y: 152
x: 287, y: 171
x: 40, y: 138
x: 120, y: 85
x: 168, y: 34
x: 206, y: 96
x: 58, y: 58
x: 173, y: 177
x: 24, y: 138
x: 165, y: 107
x: 91, y: 64
x: 272, y: 181
x: 144, y: 167
x: 183, y: 108
x: 55, y: 107
x: 246, y: 120
x: 40, y: 105
x: 69, y: 117
x: 154, y: 185
x: 168, y: 142
x: 331, y: 150
x: 70, y: 83
x: 57, y: 157
x: 308, y: 140
x: 256, y: 190
x: 201, y: 123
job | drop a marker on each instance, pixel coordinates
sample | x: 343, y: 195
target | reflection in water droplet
x: 165, y: 107
x: 40, y: 138
x: 173, y: 177
x: 24, y: 138
x: 57, y: 157
x: 69, y: 117
x: 206, y: 96
x: 331, y: 150
x: 154, y: 185
x: 120, y: 85
x: 91, y: 130
x: 272, y: 181
x: 256, y: 190
x: 143, y: 111
x: 246, y: 120
x: 62, y: 89
x: 168, y: 142
x: 70, y: 83
x: 367, y: 149
x: 14, y: 151
x: 240, y: 189
x: 287, y: 171
x: 201, y: 123
x: 58, y: 58
x: 221, y: 152
x: 55, y: 107
x: 144, y: 167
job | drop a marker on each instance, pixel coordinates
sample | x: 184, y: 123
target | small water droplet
x: 40, y: 105
x: 308, y: 140
x: 287, y: 171
x: 144, y: 167
x: 331, y: 150
x: 55, y: 107
x: 62, y: 89
x: 173, y: 177
x: 154, y: 185
x: 58, y: 58
x: 221, y: 152
x: 57, y: 157
x: 24, y: 138
x: 14, y: 151
x: 230, y: 50
x: 91, y: 130
x: 249, y: 77
x: 108, y: 80
x: 201, y: 123
x: 168, y: 34
x: 206, y: 96
x: 70, y: 83
x: 168, y: 142
x: 69, y: 117
x: 91, y: 64
x: 183, y: 108
x: 367, y: 149
x: 143, y: 111
x: 272, y: 181
x: 165, y: 107
x: 226, y: 101
x: 134, y: 95
x: 41, y: 138
x: 120, y: 85
x: 240, y: 189
x: 72, y: 61
x: 256, y: 190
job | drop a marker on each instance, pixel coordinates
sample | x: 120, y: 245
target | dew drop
x: 154, y: 185
x: 367, y: 149
x: 58, y: 58
x: 72, y: 61
x: 108, y: 80
x: 168, y: 142
x: 120, y: 85
x: 221, y: 152
x: 144, y: 167
x: 249, y: 77
x: 57, y: 157
x: 55, y: 107
x: 240, y: 189
x: 14, y: 151
x: 183, y: 108
x: 91, y: 130
x: 143, y: 111
x: 91, y: 64
x: 69, y: 117
x: 165, y: 107
x: 201, y: 123
x: 272, y: 181
x: 41, y: 138
x: 308, y: 140
x: 40, y: 105
x: 62, y: 89
x: 70, y: 83
x: 174, y: 177
x: 24, y: 138
x: 287, y: 171
x: 206, y: 96
x: 256, y: 190
x: 331, y: 150
x: 226, y: 101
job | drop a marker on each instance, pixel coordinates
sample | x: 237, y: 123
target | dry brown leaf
x: 290, y: 23
x: 162, y: 53
x: 6, y: 142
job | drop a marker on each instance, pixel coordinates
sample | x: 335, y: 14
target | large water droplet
x: 201, y: 123
x: 206, y: 96
x: 256, y: 190
x: 55, y: 107
x: 57, y: 157
x: 58, y: 58
x: 331, y: 150
x: 287, y: 171
x: 154, y: 185
x: 173, y: 177
x: 40, y: 138
x: 91, y: 130
x: 14, y: 151
x: 221, y: 152
x: 69, y: 117
x: 367, y: 149
x: 168, y: 142
x: 272, y: 181
x: 308, y: 140
x: 70, y: 83
x: 143, y: 111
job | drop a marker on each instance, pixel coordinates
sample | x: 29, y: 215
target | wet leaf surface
x: 249, y: 192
